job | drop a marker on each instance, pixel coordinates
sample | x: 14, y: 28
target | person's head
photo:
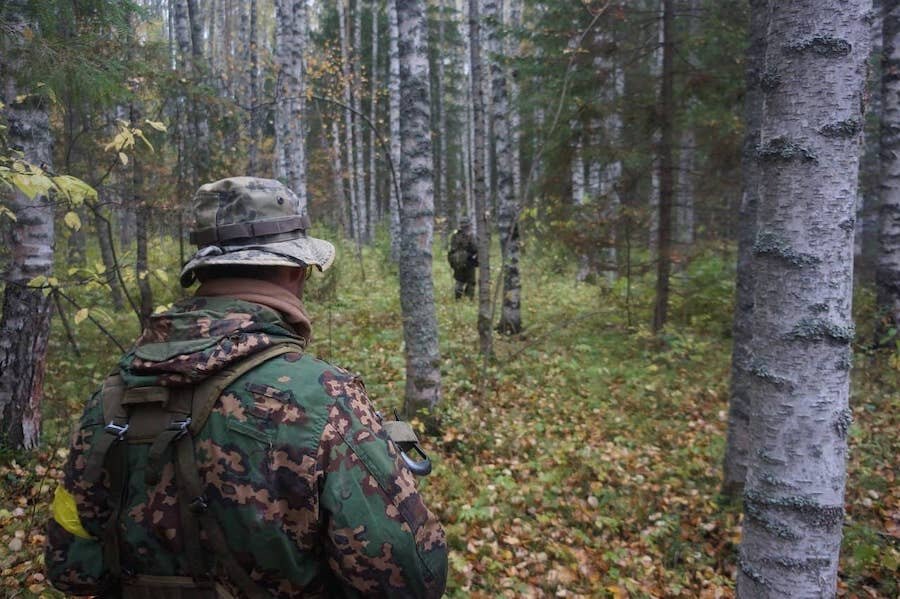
x: 249, y: 227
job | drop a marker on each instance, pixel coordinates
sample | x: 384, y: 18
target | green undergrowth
x: 588, y: 467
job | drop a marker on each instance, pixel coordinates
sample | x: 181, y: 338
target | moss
x: 781, y: 149
x: 818, y: 329
x: 769, y: 244
x: 821, y: 45
x: 842, y: 129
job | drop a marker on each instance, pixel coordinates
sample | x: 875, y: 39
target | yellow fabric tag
x: 65, y: 512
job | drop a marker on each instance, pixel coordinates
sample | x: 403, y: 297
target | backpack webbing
x: 169, y: 417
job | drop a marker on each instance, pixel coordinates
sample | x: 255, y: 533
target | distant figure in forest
x: 463, y: 259
x: 222, y: 460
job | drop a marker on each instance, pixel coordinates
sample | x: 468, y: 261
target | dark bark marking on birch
x: 842, y: 129
x: 812, y: 564
x: 752, y: 574
x: 817, y: 329
x: 780, y: 149
x: 809, y: 511
x: 769, y: 244
x: 776, y: 483
x: 770, y: 80
x: 822, y: 45
x: 753, y: 511
x: 760, y: 371
x: 843, y: 421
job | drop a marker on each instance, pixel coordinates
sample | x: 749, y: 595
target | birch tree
x: 359, y: 178
x: 25, y: 322
x: 739, y: 407
x: 809, y: 151
x: 394, y: 121
x: 479, y: 187
x: 666, y: 183
x: 290, y: 118
x: 683, y: 225
x: 420, y: 333
x: 511, y: 316
x: 887, y: 274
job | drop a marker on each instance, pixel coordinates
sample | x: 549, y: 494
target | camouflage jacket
x: 312, y: 497
x: 463, y: 253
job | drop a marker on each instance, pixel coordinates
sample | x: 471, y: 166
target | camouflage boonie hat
x: 247, y: 220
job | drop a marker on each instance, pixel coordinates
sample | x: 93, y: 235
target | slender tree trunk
x: 656, y: 71
x: 394, y: 117
x: 253, y: 166
x: 359, y: 174
x: 198, y: 115
x: 684, y: 200
x: 339, y: 180
x: 420, y: 333
x: 290, y: 164
x: 373, y: 116
x: 511, y: 316
x: 887, y: 275
x: 740, y: 407
x: 515, y: 119
x: 347, y: 75
x: 809, y: 154
x: 441, y: 162
x: 666, y: 183
x: 479, y: 191
x: 25, y: 322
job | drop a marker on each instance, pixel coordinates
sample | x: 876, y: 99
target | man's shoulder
x: 299, y: 375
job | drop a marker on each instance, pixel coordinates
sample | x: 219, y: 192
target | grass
x: 590, y: 467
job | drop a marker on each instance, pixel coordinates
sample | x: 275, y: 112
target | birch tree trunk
x: 25, y: 322
x: 479, y: 191
x: 739, y: 406
x: 515, y: 119
x: 347, y: 75
x: 420, y: 333
x: 684, y: 199
x: 253, y: 165
x: 441, y: 179
x: 656, y: 70
x: 887, y: 274
x: 198, y: 116
x: 511, y: 317
x: 809, y: 154
x: 394, y: 118
x: 373, y: 117
x: 666, y: 182
x: 359, y: 175
x: 290, y: 118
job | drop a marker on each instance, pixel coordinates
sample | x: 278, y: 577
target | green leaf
x: 32, y: 184
x: 4, y: 211
x: 38, y: 281
x: 140, y: 134
x: 73, y: 221
x: 81, y: 315
x: 75, y: 189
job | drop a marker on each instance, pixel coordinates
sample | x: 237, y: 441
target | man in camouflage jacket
x: 312, y: 497
x: 463, y: 259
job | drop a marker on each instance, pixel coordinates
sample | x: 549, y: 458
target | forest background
x: 599, y: 147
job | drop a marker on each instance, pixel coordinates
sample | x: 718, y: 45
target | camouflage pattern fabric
x: 311, y: 495
x: 463, y: 259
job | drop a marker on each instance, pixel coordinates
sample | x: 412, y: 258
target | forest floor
x: 590, y: 465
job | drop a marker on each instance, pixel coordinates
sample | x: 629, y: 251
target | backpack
x: 169, y: 417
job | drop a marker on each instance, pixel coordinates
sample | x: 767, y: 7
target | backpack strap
x: 116, y: 417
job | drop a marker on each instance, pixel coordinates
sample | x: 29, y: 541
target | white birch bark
x: 479, y: 188
x: 25, y: 322
x: 394, y: 118
x: 253, y: 166
x: 515, y: 118
x: 887, y: 275
x: 373, y: 117
x: 441, y: 179
x: 290, y: 138
x: 683, y: 225
x: 420, y: 333
x: 809, y: 155
x: 656, y: 68
x: 510, y: 317
x: 359, y: 175
x: 347, y: 75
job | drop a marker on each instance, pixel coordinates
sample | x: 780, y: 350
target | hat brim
x: 303, y: 251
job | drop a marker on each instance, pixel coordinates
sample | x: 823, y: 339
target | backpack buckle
x: 181, y: 426
x: 117, y: 430
x: 198, y: 505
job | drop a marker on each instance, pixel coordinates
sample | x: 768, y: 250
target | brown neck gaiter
x: 264, y: 293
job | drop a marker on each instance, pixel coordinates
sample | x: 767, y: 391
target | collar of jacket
x: 264, y: 293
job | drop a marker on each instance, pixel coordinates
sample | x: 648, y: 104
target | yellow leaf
x: 156, y: 125
x: 81, y: 315
x: 73, y: 221
x: 38, y: 281
x: 77, y: 190
x: 123, y: 158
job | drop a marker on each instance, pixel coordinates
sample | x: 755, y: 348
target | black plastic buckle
x: 117, y: 430
x: 199, y: 505
x: 418, y: 468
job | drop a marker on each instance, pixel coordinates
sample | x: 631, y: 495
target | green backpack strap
x: 116, y: 417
